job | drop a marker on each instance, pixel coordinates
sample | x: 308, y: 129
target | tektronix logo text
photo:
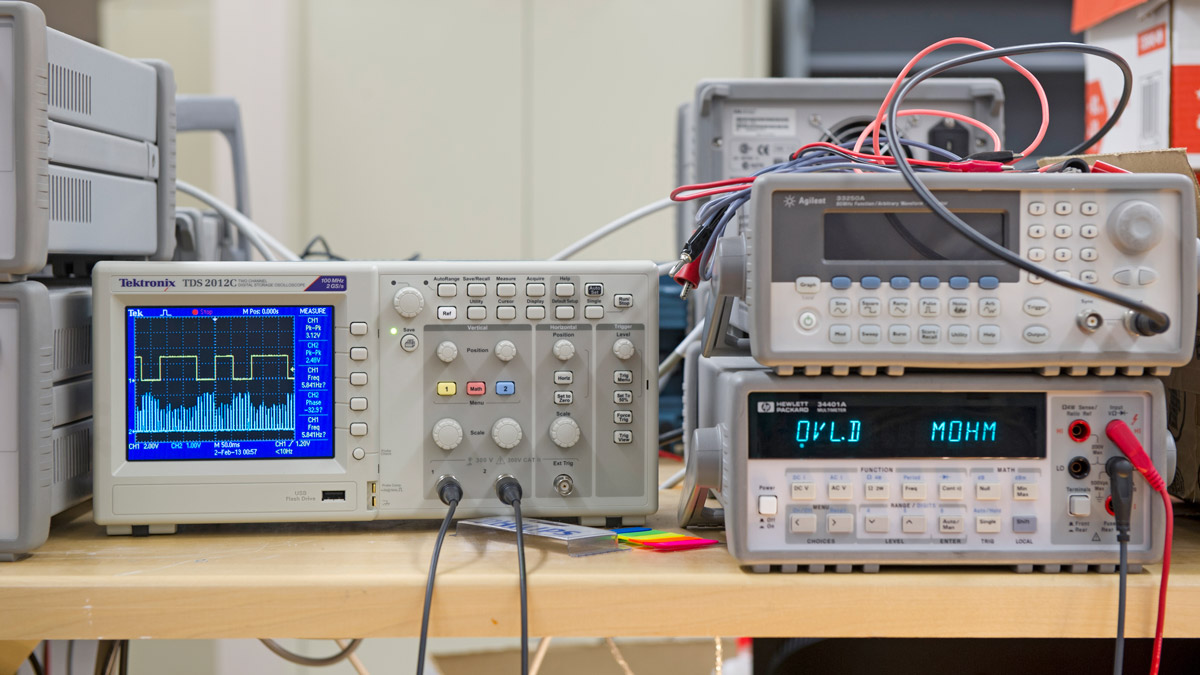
x: 147, y: 283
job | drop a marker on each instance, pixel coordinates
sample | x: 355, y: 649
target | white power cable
x: 674, y: 480
x: 260, y: 238
x: 615, y: 225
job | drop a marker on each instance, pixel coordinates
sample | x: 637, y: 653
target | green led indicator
x: 394, y: 331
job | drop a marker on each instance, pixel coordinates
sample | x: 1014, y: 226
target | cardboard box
x: 1159, y: 38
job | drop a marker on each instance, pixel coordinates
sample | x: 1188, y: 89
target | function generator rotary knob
x: 1136, y: 226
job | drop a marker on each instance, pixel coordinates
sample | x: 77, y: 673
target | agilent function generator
x: 232, y: 392
x: 833, y: 472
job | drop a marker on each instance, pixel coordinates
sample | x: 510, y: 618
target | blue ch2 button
x: 930, y: 283
x: 505, y: 388
x: 989, y: 283
x: 959, y: 283
x: 840, y: 283
x: 900, y: 283
x: 869, y: 283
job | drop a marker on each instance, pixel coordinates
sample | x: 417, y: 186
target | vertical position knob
x: 447, y: 351
x: 624, y: 349
x: 563, y: 350
x: 506, y: 432
x: 408, y: 302
x: 1136, y: 226
x: 447, y: 433
x: 564, y: 431
x: 505, y: 350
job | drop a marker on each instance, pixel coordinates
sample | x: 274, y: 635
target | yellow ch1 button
x: 447, y: 388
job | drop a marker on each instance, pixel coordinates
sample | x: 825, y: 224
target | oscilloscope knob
x: 563, y: 350
x: 447, y: 433
x: 408, y: 302
x: 564, y: 431
x: 506, y: 432
x: 505, y: 350
x: 624, y: 349
x: 447, y: 351
x: 1136, y: 226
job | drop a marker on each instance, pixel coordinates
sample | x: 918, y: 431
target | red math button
x: 476, y: 388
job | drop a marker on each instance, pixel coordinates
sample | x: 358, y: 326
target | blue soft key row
x: 900, y: 283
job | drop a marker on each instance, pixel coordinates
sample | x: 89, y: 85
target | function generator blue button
x: 870, y: 283
x: 989, y: 283
x: 900, y: 283
x: 959, y: 283
x: 930, y: 283
x: 505, y: 388
x: 840, y: 283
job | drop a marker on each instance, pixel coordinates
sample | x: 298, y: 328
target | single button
x: 869, y: 306
x: 950, y: 524
x: 1089, y: 276
x: 807, y: 321
x: 929, y: 306
x: 447, y: 388
x: 1035, y: 279
x: 1079, y: 505
x: 1062, y: 231
x: 1146, y: 276
x: 358, y: 428
x: 989, y: 283
x: 912, y: 524
x: 593, y: 312
x: 622, y: 437
x: 358, y: 453
x: 959, y: 307
x: 808, y: 285
x: 1037, y: 231
x: 535, y: 290
x: 623, y: 301
x: 358, y: 403
x: 913, y: 492
x: 875, y: 524
x: 840, y: 491
x: 447, y: 313
x: 1037, y: 208
x: 476, y: 388
x: 506, y: 312
x: 958, y: 334
x: 1036, y: 334
x: 1036, y: 306
x: 989, y: 307
x: 564, y: 312
x: 1024, y: 524
x: 839, y: 523
x: 564, y: 290
x: 876, y: 491
x: 950, y: 492
x: 768, y: 505
x: 476, y: 290
x: 623, y: 377
x: 839, y: 307
x: 1025, y: 491
x: 869, y: 283
x: 900, y: 283
x: 1088, y: 254
x: 623, y: 417
x: 476, y: 312
x: 1089, y: 231
x: 1124, y: 276
x: 593, y: 289
x: 564, y: 377
x: 358, y: 353
x: 1089, y: 208
x: 987, y: 491
x: 929, y: 334
x: 506, y: 290
x: 409, y: 342
x: 1063, y: 208
x: 869, y: 334
x: 505, y: 388
x: 839, y: 334
x: 535, y: 312
x: 899, y: 333
x: 989, y: 334
x: 447, y: 290
x: 930, y: 283
x: 802, y: 523
x: 623, y: 397
x: 1037, y: 254
x: 358, y: 379
x: 358, y: 327
x: 959, y: 283
x: 898, y: 306
x: 1062, y: 254
x: 987, y: 524
x: 840, y: 283
x: 804, y: 491
x: 564, y: 398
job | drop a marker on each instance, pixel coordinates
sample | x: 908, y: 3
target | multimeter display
x: 878, y: 425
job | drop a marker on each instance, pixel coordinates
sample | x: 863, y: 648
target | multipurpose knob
x: 408, y: 302
x: 505, y: 350
x: 506, y: 432
x: 447, y: 351
x: 1136, y: 226
x: 624, y: 349
x: 563, y: 350
x: 447, y: 433
x: 564, y: 431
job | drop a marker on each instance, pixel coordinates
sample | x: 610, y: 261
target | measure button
x: 950, y: 524
x: 804, y: 491
x: 1036, y: 306
x: 358, y: 353
x: 899, y: 333
x: 358, y: 428
x: 839, y: 523
x: 912, y: 524
x: 913, y: 492
x: 989, y: 334
x: 875, y: 524
x: 803, y: 523
x: 768, y: 505
x: 841, y: 491
x: 447, y: 388
x: 877, y: 491
x: 869, y: 334
x: 958, y: 334
x: 506, y: 290
x: 987, y: 524
x: 505, y: 388
x: 950, y: 492
x: 808, y: 285
x: 1079, y: 505
x: 987, y: 492
x: 1025, y: 491
x: 1024, y: 524
x: 839, y: 334
x: 1036, y: 334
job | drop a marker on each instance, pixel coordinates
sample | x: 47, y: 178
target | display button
x: 564, y: 377
x: 840, y: 491
x: 409, y: 342
x: 1037, y: 254
x: 869, y: 306
x: 535, y: 312
x: 840, y: 283
x: 623, y: 377
x: 1036, y: 306
x: 564, y: 398
x: 950, y: 524
x: 869, y: 283
x: 476, y: 290
x: 869, y: 334
x: 622, y: 437
x: 564, y: 290
x: 912, y: 524
x: 623, y: 301
x: 1088, y: 254
x: 358, y: 327
x: 623, y: 397
x: 1037, y: 208
x: 1146, y: 276
x: 447, y: 290
x: 1062, y: 231
x: 989, y: 283
x: 930, y: 283
x: 839, y: 334
x: 1024, y: 524
x: 929, y: 306
x: 950, y: 492
x: 1089, y: 231
x: 807, y: 321
x: 875, y: 524
x: 476, y: 312
x: 913, y: 492
x: 929, y: 334
x: 593, y: 312
x: 447, y: 312
x: 1036, y: 334
x: 564, y: 312
x: 989, y: 307
x: 899, y: 333
x: 1037, y: 231
x: 989, y: 334
x: 1062, y: 208
x: 839, y: 307
x: 358, y: 403
x: 876, y: 491
x: 804, y: 491
x: 803, y: 523
x: 358, y: 428
x: 958, y: 334
x: 987, y: 524
x: 808, y: 285
x: 839, y: 523
x: 506, y: 290
x: 506, y: 312
x: 987, y: 491
x: 358, y: 353
x: 768, y: 505
x: 593, y: 289
x: 505, y: 388
x: 900, y: 283
x: 358, y: 379
x: 1062, y: 254
x: 1025, y: 491
x: 476, y: 389
x: 622, y: 417
x: 959, y: 283
x: 899, y: 306
x: 1089, y: 208
x: 447, y: 388
x: 1079, y: 505
x: 1089, y: 276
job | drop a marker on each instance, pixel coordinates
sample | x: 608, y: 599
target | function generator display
x: 246, y: 382
x: 871, y: 236
x: 861, y: 425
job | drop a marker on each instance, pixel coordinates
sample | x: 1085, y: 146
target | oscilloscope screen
x: 245, y: 382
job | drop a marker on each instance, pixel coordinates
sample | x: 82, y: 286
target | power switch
x: 1079, y: 505
x: 768, y: 505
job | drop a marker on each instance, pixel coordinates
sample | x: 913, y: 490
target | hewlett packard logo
x: 766, y: 406
x: 147, y: 283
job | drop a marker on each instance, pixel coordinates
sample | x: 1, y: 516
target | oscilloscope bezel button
x: 358, y: 379
x: 358, y: 353
x: 358, y: 327
x: 358, y: 403
x: 358, y: 428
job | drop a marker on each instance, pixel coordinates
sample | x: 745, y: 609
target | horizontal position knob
x: 408, y: 302
x: 563, y: 350
x: 564, y: 431
x: 624, y: 349
x: 447, y: 433
x: 505, y: 350
x: 1136, y: 226
x: 447, y: 351
x: 506, y: 432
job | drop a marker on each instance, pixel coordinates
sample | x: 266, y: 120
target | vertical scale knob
x: 564, y: 431
x: 563, y: 350
x: 506, y: 432
x: 447, y: 433
x: 408, y: 302
x: 624, y: 349
x: 447, y: 351
x: 505, y: 350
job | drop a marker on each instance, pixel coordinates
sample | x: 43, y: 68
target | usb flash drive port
x: 333, y: 495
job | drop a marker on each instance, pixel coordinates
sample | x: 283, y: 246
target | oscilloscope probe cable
x: 1146, y: 320
x: 1120, y: 487
x: 450, y: 492
x: 508, y: 489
